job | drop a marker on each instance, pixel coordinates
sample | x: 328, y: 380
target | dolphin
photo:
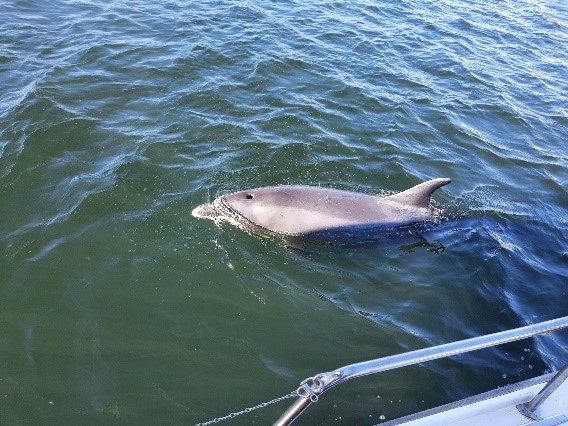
x: 318, y: 213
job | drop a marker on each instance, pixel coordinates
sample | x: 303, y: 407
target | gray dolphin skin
x: 321, y: 213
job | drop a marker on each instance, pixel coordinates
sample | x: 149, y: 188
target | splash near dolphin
x: 324, y: 214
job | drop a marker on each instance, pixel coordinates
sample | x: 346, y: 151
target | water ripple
x: 119, y: 117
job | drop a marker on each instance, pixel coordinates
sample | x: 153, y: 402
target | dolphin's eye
x: 250, y: 196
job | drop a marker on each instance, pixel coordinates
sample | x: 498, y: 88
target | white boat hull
x: 497, y: 407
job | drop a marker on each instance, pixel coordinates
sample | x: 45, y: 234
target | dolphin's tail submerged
x: 419, y: 195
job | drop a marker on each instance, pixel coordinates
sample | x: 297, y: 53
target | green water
x: 117, y: 119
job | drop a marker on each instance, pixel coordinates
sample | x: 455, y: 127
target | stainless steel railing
x: 311, y: 388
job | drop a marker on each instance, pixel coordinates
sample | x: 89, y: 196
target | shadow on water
x: 407, y: 239
x: 426, y: 235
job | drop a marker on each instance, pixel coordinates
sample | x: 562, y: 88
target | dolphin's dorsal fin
x: 419, y: 195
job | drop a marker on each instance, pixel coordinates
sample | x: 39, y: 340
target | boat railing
x: 311, y: 388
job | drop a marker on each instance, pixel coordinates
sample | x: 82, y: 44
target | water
x: 118, y: 118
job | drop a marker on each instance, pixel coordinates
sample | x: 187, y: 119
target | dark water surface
x: 118, y: 118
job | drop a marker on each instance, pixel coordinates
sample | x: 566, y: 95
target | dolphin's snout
x: 205, y: 211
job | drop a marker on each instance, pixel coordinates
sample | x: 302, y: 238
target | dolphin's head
x: 243, y: 208
x: 255, y: 205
